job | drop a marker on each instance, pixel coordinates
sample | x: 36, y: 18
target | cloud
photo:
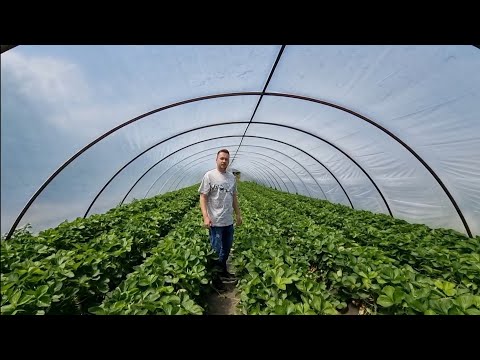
x: 66, y: 98
x: 46, y: 79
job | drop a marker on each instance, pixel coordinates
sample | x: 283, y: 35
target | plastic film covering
x: 82, y: 180
x: 185, y: 153
x: 426, y: 95
x: 409, y: 189
x: 305, y: 181
x: 303, y: 162
x: 348, y: 150
x: 57, y: 99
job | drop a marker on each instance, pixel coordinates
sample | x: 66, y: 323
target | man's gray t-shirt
x: 219, y: 188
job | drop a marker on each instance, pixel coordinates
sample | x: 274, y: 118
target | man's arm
x: 236, y: 207
x: 203, y: 205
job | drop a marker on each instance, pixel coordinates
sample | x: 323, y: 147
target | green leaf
x: 25, y: 299
x: 119, y: 305
x: 418, y: 305
x: 103, y: 287
x: 58, y: 286
x: 430, y: 312
x: 455, y: 311
x: 449, y: 288
x: 442, y: 304
x: 317, y: 303
x: 144, y: 282
x: 40, y: 312
x: 398, y: 296
x: 7, y: 309
x: 168, y: 309
x: 472, y: 311
x: 290, y: 308
x: 464, y: 301
x: 44, y: 301
x: 282, y: 286
x: 362, y: 274
x: 384, y: 301
x: 389, y: 290
x: 41, y: 290
x: 15, y: 297
x: 97, y: 310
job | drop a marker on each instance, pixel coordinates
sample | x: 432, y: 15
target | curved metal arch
x: 37, y: 193
x: 263, y: 178
x: 253, y: 170
x: 259, y: 171
x: 257, y: 161
x: 296, y: 161
x: 250, y: 136
x: 337, y: 148
x: 166, y: 181
x: 314, y: 158
x: 263, y: 93
x: 272, y: 164
x: 288, y: 177
x: 393, y: 136
x: 111, y: 131
x: 211, y: 154
x: 264, y: 168
x: 231, y: 123
x: 264, y: 147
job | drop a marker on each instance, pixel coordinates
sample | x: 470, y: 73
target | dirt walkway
x: 224, y: 303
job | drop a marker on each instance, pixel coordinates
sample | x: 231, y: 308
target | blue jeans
x: 221, y: 239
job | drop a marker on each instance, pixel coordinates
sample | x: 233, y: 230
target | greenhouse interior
x: 354, y: 172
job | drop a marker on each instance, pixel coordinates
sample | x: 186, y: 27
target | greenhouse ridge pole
x: 261, y: 97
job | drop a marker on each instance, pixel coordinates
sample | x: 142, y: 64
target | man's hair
x: 224, y: 151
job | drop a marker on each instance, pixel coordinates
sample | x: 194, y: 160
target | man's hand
x: 206, y: 222
x: 239, y: 220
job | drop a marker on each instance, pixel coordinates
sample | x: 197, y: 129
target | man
x: 218, y: 200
